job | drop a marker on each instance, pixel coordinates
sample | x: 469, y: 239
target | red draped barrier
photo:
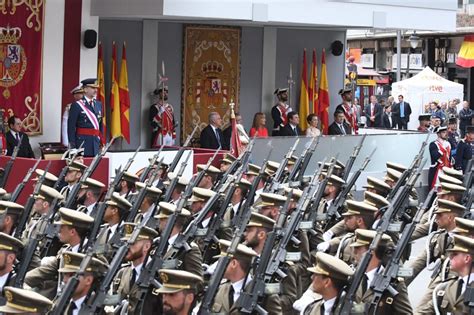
x: 22, y: 165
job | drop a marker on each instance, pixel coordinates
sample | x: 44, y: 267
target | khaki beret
x: 76, y: 166
x: 453, y: 173
x: 462, y: 244
x: 375, y: 200
x: 146, y: 233
x: 260, y: 220
x: 91, y: 183
x: 129, y: 177
x: 396, y: 166
x: 167, y: 209
x: 448, y: 188
x: 71, y: 262
x: 212, y: 170
x: 11, y: 207
x: 49, y: 179
x: 177, y: 280
x: 49, y: 194
x: 253, y: 169
x: 269, y: 200
x: 365, y: 237
x: 334, y: 180
x: 380, y: 186
x: 444, y: 178
x: 22, y: 301
x: 464, y: 226
x: 74, y: 218
x: 295, y: 193
x: 201, y: 194
x: 150, y: 190
x: 332, y: 267
x: 446, y: 206
x: 10, y: 243
x: 359, y: 208
x: 182, y: 181
x: 242, y: 253
x: 119, y: 202
x: 392, y: 175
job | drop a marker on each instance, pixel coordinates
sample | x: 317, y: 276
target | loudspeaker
x: 90, y: 38
x: 337, y: 47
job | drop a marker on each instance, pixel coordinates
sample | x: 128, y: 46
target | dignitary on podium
x: 15, y: 137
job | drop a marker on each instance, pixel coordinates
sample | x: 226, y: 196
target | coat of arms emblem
x: 13, y: 59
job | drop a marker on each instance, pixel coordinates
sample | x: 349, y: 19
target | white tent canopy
x: 423, y: 88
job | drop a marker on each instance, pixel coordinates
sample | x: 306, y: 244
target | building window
x: 460, y: 4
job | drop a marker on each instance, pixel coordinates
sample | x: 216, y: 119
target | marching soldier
x: 10, y: 249
x: 162, y: 120
x: 127, y: 184
x: 191, y: 260
x: 210, y: 177
x: 73, y: 175
x: 124, y: 284
x: 11, y: 213
x: 85, y: 120
x: 148, y: 204
x: 388, y: 304
x: 91, y: 278
x: 88, y: 196
x: 178, y: 189
x: 280, y: 111
x: 239, y: 277
x: 330, y: 276
x: 180, y: 291
x: 22, y: 301
x: 49, y: 179
x: 74, y: 226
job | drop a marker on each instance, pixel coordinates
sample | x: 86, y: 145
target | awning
x: 466, y: 53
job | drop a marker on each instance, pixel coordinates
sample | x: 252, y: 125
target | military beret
x: 129, y: 177
x: 90, y: 82
x: 380, y: 186
x: 280, y: 91
x: 119, y: 202
x: 11, y: 207
x: 375, y: 200
x: 344, y: 91
x: 49, y: 194
x: 10, y: 243
x: 365, y: 237
x: 150, y: 190
x: 396, y: 166
x: 22, y: 301
x: 332, y: 267
x: 359, y: 208
x: 212, y: 170
x: 269, y: 200
x: 76, y: 166
x: 49, y: 179
x: 292, y: 160
x: 446, y: 206
x: 295, y: 193
x: 444, y: 178
x: 201, y: 194
x: 146, y: 233
x: 452, y: 172
x: 244, y: 183
x: 243, y: 252
x: 392, y: 175
x: 448, y: 188
x: 260, y: 220
x: 71, y: 262
x: 228, y: 158
x: 163, y: 165
x: 182, y: 181
x: 253, y: 169
x: 334, y: 180
x: 74, y: 218
x: 177, y: 280
x: 91, y: 183
x: 462, y: 244
x: 167, y: 209
x: 77, y: 89
x: 271, y: 167
x: 464, y: 226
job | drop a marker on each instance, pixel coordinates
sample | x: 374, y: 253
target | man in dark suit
x: 84, y: 123
x: 339, y: 126
x: 387, y: 119
x: 212, y: 136
x: 14, y: 136
x: 401, y: 113
x: 292, y: 129
x: 373, y: 112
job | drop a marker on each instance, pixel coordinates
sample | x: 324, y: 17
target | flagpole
x: 290, y: 84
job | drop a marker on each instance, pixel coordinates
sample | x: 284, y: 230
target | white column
x: 88, y: 57
x: 149, y: 75
x: 268, y: 72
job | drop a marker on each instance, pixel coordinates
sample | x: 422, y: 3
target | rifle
x: 302, y: 162
x: 71, y: 198
x: 399, y: 199
x: 180, y: 152
x: 174, y: 181
x: 407, y: 172
x: 334, y: 210
x: 125, y: 168
x: 280, y: 172
x: 9, y: 165
x: 45, y: 225
x: 16, y: 193
x: 147, y: 170
x: 25, y: 215
x: 248, y: 300
x: 240, y: 220
x: 65, y: 169
x: 352, y: 158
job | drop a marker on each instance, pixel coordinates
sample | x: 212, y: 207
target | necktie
x: 459, y: 288
x: 402, y: 110
x: 364, y: 283
x: 372, y: 109
x: 295, y: 131
x: 342, y: 129
x: 71, y: 308
x: 218, y: 138
x: 17, y: 137
x: 231, y: 295
x: 133, y: 278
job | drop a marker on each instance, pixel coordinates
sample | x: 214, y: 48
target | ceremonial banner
x: 304, y: 100
x: 323, y: 96
x: 124, y: 97
x: 211, y: 73
x: 21, y: 49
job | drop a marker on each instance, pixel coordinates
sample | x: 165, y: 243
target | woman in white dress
x: 313, y: 122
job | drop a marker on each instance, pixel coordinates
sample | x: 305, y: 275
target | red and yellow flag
x: 101, y: 94
x: 313, y: 85
x: 304, y: 99
x: 124, y: 97
x: 466, y: 53
x: 115, y: 126
x: 323, y: 96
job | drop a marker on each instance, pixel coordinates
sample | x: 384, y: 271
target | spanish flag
x: 101, y: 94
x: 323, y: 96
x: 466, y: 53
x: 304, y: 99
x: 313, y: 85
x: 115, y: 127
x: 124, y: 97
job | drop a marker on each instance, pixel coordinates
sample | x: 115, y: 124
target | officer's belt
x: 88, y: 132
